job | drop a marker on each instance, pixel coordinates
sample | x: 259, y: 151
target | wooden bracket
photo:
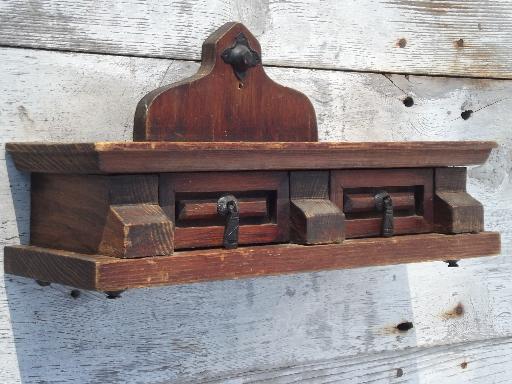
x: 138, y: 230
x: 455, y: 210
x: 314, y: 219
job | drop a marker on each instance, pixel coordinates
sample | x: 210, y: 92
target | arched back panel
x: 230, y: 98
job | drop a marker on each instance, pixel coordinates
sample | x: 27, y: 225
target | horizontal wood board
x: 183, y: 157
x: 231, y: 330
x: 112, y: 274
x: 449, y: 37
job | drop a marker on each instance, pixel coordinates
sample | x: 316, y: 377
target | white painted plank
x: 451, y: 37
x: 214, y: 330
x: 479, y: 362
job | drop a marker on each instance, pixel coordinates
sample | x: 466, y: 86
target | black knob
x: 241, y: 56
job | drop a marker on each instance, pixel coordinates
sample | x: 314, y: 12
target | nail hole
x: 402, y: 43
x: 240, y: 85
x: 466, y: 114
x: 408, y: 101
x: 405, y: 326
x: 113, y: 294
x: 75, y: 293
x: 399, y: 372
x: 459, y: 43
x: 463, y: 365
x: 452, y: 263
x: 43, y: 283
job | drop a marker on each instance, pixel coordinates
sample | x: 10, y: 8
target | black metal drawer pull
x: 384, y: 204
x: 227, y: 206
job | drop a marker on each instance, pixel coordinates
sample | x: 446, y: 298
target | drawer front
x: 411, y: 191
x: 190, y: 199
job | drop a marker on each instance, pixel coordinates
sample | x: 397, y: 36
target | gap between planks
x: 283, y: 66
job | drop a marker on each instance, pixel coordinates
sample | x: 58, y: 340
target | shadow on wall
x: 19, y: 184
x: 222, y: 331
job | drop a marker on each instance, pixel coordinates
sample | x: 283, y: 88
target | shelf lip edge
x: 105, y: 273
x: 155, y: 157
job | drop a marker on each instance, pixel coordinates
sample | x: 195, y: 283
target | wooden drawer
x: 411, y: 191
x: 190, y: 199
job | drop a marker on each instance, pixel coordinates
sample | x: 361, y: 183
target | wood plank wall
x: 74, y: 71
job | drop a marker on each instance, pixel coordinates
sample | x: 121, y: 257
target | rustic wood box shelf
x: 226, y: 179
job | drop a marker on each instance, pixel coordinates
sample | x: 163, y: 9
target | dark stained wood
x: 214, y: 105
x: 212, y: 236
x: 137, y: 230
x: 309, y: 185
x: 111, y: 274
x: 450, y: 179
x: 70, y: 211
x: 145, y: 157
x: 198, y: 210
x: 270, y: 187
x: 455, y: 210
x: 417, y: 181
x: 361, y: 202
x: 314, y: 219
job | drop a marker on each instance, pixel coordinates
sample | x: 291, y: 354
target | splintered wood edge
x: 146, y: 157
x: 104, y: 273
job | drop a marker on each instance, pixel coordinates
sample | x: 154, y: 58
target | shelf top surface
x: 127, y: 157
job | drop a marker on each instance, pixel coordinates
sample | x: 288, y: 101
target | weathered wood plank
x: 478, y: 362
x: 212, y: 330
x: 453, y: 37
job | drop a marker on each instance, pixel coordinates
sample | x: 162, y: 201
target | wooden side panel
x: 455, y: 210
x: 70, y: 211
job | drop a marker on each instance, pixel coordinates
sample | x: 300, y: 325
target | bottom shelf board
x: 105, y: 273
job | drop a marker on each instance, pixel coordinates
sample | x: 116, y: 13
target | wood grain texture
x: 137, y: 230
x: 205, y: 210
x: 144, y: 157
x: 417, y: 181
x: 230, y: 330
x: 454, y: 364
x: 455, y: 210
x: 113, y: 274
x: 254, y: 108
x: 74, y: 212
x: 272, y: 187
x: 361, y: 202
x: 453, y: 37
x: 314, y: 219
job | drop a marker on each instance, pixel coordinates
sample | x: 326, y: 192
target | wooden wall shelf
x: 239, y: 187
